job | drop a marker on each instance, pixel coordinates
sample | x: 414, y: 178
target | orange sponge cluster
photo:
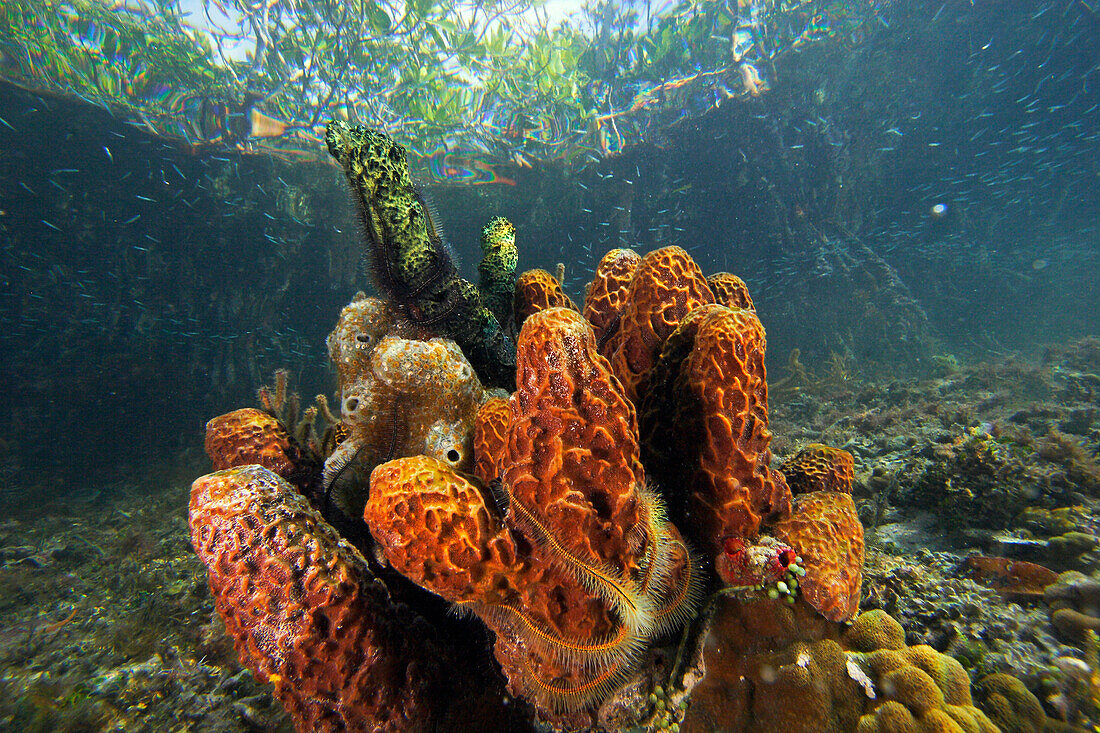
x: 437, y: 528
x: 705, y: 421
x: 700, y: 380
x: 304, y: 612
x: 556, y: 541
x: 666, y: 286
x: 580, y: 570
x: 474, y: 560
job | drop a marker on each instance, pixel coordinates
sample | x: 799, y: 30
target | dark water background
x: 147, y: 287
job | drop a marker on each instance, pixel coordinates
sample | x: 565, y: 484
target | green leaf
x: 379, y: 20
x: 437, y: 36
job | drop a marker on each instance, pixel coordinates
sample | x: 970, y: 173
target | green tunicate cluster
x: 787, y: 587
x: 409, y: 260
x: 666, y: 713
x: 497, y: 270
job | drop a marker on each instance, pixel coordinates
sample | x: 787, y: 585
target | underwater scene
x: 550, y: 366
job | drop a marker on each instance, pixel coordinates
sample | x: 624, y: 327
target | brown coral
x: 911, y: 688
x: 606, y: 294
x: 881, y: 642
x: 1073, y: 624
x: 774, y: 668
x: 730, y: 291
x: 745, y: 643
x: 1013, y: 578
x: 667, y: 285
x: 819, y: 467
x: 304, y: 613
x: 537, y: 290
x: 825, y: 531
x: 1074, y: 605
x: 873, y: 630
x: 1011, y: 705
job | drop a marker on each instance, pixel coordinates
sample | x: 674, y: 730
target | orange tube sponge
x: 491, y: 425
x: 574, y: 468
x: 730, y: 291
x: 826, y: 532
x: 250, y: 436
x: 667, y: 285
x: 537, y: 290
x: 305, y: 614
x: 734, y: 489
x: 411, y: 501
x: 606, y: 294
x: 576, y: 486
x: 706, y: 418
x: 819, y: 467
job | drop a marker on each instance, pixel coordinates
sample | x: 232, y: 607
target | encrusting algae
x: 409, y: 259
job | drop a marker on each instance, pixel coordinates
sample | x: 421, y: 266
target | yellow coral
x: 946, y: 671
x: 777, y: 677
x: 913, y: 688
x: 875, y: 630
x: 1010, y: 705
x: 890, y: 717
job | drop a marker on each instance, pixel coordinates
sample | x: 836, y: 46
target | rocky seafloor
x: 106, y: 622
